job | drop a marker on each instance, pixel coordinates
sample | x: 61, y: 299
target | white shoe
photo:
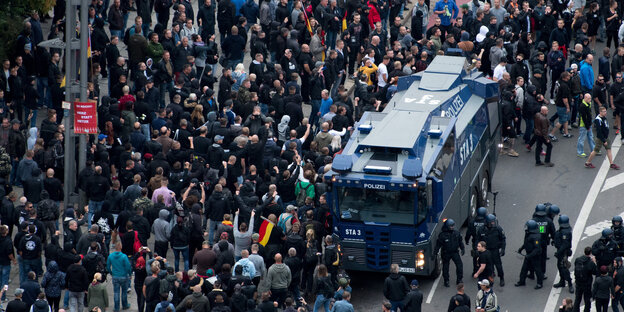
x: 552, y: 102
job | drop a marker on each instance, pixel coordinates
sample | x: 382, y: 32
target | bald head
x: 50, y: 173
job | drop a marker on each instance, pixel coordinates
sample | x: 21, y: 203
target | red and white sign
x: 85, y: 118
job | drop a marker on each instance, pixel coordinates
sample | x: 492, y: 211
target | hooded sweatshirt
x: 283, y: 129
x: 53, y: 280
x: 40, y: 306
x: 32, y: 137
x: 279, y: 276
x: 161, y: 227
x: 118, y: 264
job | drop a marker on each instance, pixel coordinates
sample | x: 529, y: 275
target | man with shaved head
x: 278, y: 278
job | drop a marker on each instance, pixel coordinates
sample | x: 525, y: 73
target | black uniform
x: 605, y: 251
x: 450, y: 241
x: 533, y: 248
x: 547, y: 232
x: 495, y: 240
x: 563, y: 243
x: 618, y: 236
x: 471, y: 232
x: 587, y: 267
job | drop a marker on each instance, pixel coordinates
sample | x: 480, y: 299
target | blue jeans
x: 316, y: 107
x: 20, y: 263
x: 580, y: 143
x: 617, y: 301
x: 164, y: 87
x: 119, y: 34
x: 396, y: 305
x: 120, y: 284
x: 5, y: 271
x: 232, y: 63
x: 176, y: 257
x: 125, y: 24
x: 76, y: 301
x: 44, y: 91
x: 321, y: 301
x: 212, y: 229
x: 31, y: 265
x: 145, y: 128
x: 94, y: 207
x: 14, y: 164
x: 330, y: 41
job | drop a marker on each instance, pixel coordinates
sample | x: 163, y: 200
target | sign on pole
x: 85, y: 118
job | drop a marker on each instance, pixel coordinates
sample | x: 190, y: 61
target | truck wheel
x: 484, y: 188
x: 437, y: 270
x: 474, y: 202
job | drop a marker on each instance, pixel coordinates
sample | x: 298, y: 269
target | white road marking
x: 433, y: 289
x: 613, y: 182
x: 579, y: 226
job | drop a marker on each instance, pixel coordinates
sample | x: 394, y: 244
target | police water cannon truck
x: 428, y: 156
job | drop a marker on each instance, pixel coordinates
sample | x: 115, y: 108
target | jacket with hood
x: 76, y: 278
x: 25, y: 169
x: 46, y: 208
x: 53, y: 281
x: 33, y: 186
x: 587, y: 76
x: 17, y: 144
x: 242, y: 241
x: 395, y: 287
x: 40, y: 306
x: 225, y: 255
x: 118, y: 264
x: 97, y: 296
x: 282, y: 128
x: 278, y: 276
x: 180, y: 236
x: 161, y: 227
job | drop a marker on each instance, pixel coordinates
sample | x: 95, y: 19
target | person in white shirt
x: 499, y: 70
x: 382, y: 72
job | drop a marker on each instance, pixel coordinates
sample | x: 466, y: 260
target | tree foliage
x: 12, y: 15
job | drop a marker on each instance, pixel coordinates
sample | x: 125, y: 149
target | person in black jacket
x: 17, y: 304
x: 414, y: 299
x: 29, y: 249
x: 450, y: 241
x: 532, y: 242
x: 77, y: 283
x: 31, y: 288
x: 603, y: 290
x: 395, y: 288
x: 563, y: 243
x: 96, y: 189
x: 226, y: 15
x: 206, y: 19
x: 180, y: 237
x: 586, y: 265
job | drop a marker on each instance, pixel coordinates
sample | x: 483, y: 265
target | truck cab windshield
x: 383, y: 206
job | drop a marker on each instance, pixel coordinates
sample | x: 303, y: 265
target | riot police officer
x: 473, y: 225
x: 532, y: 246
x: 552, y: 211
x: 494, y: 237
x: 546, y: 228
x: 450, y: 241
x: 563, y: 243
x: 605, y: 248
x: 618, y: 233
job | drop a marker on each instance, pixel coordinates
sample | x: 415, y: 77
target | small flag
x: 265, y: 231
x: 308, y: 23
x: 344, y: 22
x: 89, y: 45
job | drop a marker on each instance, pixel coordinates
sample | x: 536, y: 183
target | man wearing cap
x: 413, y: 300
x: 17, y: 305
x: 486, y: 298
x: 288, y: 218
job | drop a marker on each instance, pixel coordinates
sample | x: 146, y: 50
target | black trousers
x: 352, y: 59
x: 539, y: 140
x: 543, y: 257
x: 161, y: 248
x: 582, y: 292
x: 279, y: 295
x: 564, y: 272
x: 140, y: 298
x: 459, y: 266
x: 612, y: 35
x: 534, y: 265
x: 498, y: 263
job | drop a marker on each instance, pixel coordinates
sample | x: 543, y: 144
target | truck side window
x: 445, y: 158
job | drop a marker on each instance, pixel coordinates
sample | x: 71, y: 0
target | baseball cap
x: 18, y: 291
x: 574, y: 66
x: 218, y: 137
x: 484, y: 282
x: 291, y: 208
x: 464, y: 6
x: 102, y: 137
x: 414, y: 282
x: 16, y: 121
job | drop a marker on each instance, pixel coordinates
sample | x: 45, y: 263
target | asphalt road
x: 521, y: 185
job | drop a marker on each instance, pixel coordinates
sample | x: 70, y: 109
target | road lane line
x: 433, y: 289
x: 613, y: 182
x: 579, y: 226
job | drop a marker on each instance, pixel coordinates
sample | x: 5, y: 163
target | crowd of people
x: 213, y: 159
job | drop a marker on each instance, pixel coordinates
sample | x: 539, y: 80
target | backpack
x: 303, y: 194
x: 282, y: 222
x: 152, y: 291
x: 310, y: 256
x: 5, y: 162
x: 49, y: 157
x: 580, y: 274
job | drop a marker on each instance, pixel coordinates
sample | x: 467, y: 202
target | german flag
x: 265, y: 231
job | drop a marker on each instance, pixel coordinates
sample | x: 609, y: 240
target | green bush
x: 12, y: 14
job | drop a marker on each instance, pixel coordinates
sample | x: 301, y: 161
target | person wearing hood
x: 450, y: 241
x: 119, y: 267
x: 587, y: 74
x: 53, y: 283
x: 33, y: 186
x: 180, y: 237
x: 283, y: 129
x: 225, y: 255
x: 40, y: 305
x: 162, y: 231
x: 97, y: 295
x: 279, y: 278
x: 25, y: 168
x: 48, y: 212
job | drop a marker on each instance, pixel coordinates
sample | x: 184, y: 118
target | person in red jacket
x: 373, y: 13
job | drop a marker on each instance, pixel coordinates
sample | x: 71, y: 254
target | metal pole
x: 84, y: 76
x: 70, y: 32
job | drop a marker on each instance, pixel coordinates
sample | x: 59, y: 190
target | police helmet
x: 531, y: 226
x: 540, y: 210
x: 450, y: 223
x: 564, y: 221
x: 553, y: 210
x: 490, y: 218
x: 607, y: 233
x: 481, y: 212
x: 616, y: 219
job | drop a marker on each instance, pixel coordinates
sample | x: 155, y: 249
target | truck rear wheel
x: 437, y: 270
x: 484, y: 189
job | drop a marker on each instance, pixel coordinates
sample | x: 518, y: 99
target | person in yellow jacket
x: 369, y: 69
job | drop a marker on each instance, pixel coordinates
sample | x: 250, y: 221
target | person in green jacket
x: 97, y: 296
x: 155, y: 50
